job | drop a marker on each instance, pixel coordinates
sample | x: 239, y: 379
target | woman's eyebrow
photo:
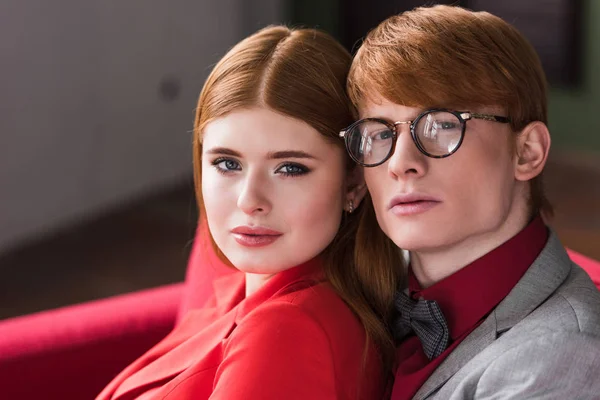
x: 275, y: 155
x: 223, y: 151
x: 272, y: 155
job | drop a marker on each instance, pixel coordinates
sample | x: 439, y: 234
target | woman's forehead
x: 262, y: 131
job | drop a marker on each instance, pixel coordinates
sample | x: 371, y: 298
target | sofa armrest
x: 592, y: 267
x: 73, y: 352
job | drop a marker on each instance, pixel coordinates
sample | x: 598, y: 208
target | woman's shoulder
x: 311, y: 295
x: 306, y: 326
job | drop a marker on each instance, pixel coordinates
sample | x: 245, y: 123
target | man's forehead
x: 380, y: 107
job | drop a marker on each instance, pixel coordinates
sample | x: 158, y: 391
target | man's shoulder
x: 573, y: 307
x: 555, y: 346
x: 552, y: 365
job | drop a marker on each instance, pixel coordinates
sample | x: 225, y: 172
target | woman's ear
x: 533, y: 145
x: 356, y: 189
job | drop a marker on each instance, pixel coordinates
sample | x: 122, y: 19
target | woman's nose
x: 253, y: 197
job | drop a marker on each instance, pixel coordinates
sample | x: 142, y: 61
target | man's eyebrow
x: 275, y: 155
x: 223, y: 151
x: 391, y: 120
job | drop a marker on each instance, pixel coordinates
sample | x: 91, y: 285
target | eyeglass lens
x: 438, y: 134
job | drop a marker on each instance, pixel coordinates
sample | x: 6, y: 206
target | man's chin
x: 412, y: 235
x: 419, y: 243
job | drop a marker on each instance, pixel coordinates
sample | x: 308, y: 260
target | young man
x: 453, y: 137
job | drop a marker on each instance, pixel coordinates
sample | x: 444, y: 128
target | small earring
x: 350, y: 206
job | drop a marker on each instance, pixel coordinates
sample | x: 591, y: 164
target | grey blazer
x: 541, y: 342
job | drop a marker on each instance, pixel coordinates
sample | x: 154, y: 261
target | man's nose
x: 406, y: 160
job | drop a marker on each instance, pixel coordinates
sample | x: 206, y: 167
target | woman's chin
x: 259, y: 265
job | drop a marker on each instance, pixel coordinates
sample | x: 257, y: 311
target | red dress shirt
x: 294, y: 338
x: 466, y: 298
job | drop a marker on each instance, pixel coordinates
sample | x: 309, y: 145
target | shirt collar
x: 472, y: 292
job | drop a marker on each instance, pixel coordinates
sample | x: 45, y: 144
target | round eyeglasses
x: 437, y: 133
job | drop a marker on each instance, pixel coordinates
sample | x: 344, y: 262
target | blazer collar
x: 304, y: 275
x: 550, y: 269
x: 542, y: 279
x: 200, y: 334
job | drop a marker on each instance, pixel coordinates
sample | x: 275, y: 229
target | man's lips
x: 409, y: 198
x: 412, y: 203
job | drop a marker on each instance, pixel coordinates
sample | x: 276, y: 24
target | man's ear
x: 533, y: 145
x: 356, y: 189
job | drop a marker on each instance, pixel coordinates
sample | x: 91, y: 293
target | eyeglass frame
x: 463, y: 117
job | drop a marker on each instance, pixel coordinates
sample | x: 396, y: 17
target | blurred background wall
x: 96, y: 106
x: 97, y: 103
x: 574, y: 111
x: 98, y: 99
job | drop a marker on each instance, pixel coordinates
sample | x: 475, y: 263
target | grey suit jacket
x: 541, y: 342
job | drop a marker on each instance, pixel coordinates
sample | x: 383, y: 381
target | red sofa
x: 73, y: 352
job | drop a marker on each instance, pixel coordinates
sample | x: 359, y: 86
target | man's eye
x: 447, y: 125
x: 383, y: 135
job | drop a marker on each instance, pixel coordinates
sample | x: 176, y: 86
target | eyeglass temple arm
x: 487, y: 117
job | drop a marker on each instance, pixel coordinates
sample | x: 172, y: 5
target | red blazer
x: 294, y: 338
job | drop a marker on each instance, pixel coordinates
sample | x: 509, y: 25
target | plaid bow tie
x: 425, y: 319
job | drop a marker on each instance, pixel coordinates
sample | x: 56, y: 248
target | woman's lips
x: 251, y: 236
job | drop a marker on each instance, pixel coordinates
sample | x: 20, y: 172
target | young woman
x: 279, y: 196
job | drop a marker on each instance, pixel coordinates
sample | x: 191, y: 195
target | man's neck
x: 432, y: 266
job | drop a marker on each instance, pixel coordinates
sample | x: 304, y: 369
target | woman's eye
x: 226, y: 165
x: 291, y: 169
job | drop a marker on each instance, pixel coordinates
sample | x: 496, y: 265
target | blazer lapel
x: 543, y: 278
x: 205, y: 345
x: 198, y: 334
x: 472, y: 345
